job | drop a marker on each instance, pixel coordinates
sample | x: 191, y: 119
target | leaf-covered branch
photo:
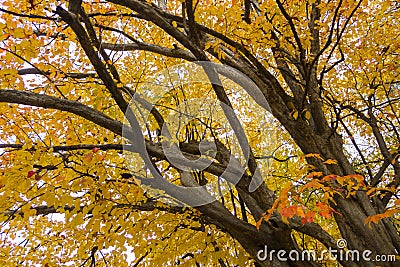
x: 46, y: 101
x: 140, y: 46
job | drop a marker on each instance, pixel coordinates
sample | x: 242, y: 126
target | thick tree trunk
x: 352, y: 211
x: 317, y: 137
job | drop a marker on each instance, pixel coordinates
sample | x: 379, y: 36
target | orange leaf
x: 265, y: 217
x: 330, y: 177
x: 395, y: 159
x: 88, y: 157
x: 375, y: 219
x: 258, y: 223
x: 369, y: 192
x: 330, y: 161
x: 315, y: 155
x: 314, y: 174
x: 309, y: 217
x: 291, y: 211
x: 324, y: 210
x: 357, y: 177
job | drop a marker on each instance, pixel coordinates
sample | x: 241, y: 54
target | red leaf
x: 290, y: 211
x: 309, y: 217
x: 31, y: 173
x: 38, y: 177
x: 324, y: 210
x: 95, y: 149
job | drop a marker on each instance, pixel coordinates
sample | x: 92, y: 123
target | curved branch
x: 46, y: 101
x: 292, y: 27
x: 169, y: 52
x: 36, y: 71
x: 30, y: 16
x: 86, y: 43
x: 70, y: 147
x: 148, y: 205
x: 153, y: 14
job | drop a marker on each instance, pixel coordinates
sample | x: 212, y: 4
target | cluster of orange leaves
x: 330, y: 184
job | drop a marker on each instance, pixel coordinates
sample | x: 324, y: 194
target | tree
x: 77, y: 77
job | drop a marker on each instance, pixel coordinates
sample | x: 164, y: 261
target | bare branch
x: 153, y: 14
x: 148, y: 205
x: 70, y: 147
x: 169, y: 52
x: 35, y: 71
x: 74, y: 6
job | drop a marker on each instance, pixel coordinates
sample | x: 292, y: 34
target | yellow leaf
x: 307, y: 115
x: 19, y: 33
x: 295, y: 114
x: 96, y: 226
x: 77, y: 220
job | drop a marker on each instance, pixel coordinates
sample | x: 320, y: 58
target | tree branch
x: 30, y: 16
x: 148, y: 205
x: 293, y: 29
x: 46, y: 101
x: 84, y: 40
x: 70, y: 148
x: 169, y: 52
x: 35, y: 71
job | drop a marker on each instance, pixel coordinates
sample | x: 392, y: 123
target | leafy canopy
x: 70, y: 195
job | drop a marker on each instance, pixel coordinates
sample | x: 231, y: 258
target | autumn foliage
x: 283, y: 114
